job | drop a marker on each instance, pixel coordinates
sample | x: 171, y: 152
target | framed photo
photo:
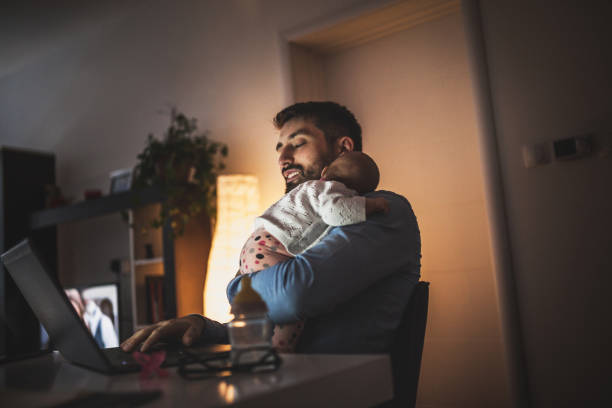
x: 121, y: 181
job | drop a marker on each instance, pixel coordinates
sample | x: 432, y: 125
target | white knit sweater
x: 304, y: 215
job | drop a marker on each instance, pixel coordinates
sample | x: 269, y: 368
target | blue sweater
x: 352, y: 287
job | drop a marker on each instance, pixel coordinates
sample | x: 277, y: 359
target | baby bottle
x: 250, y: 331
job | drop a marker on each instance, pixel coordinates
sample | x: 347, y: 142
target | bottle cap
x: 247, y: 300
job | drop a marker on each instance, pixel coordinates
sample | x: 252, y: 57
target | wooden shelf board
x: 140, y: 262
x: 95, y: 208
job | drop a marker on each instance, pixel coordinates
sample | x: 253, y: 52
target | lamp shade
x: 237, y: 207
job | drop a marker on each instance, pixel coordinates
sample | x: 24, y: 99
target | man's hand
x: 187, y: 329
x: 376, y: 204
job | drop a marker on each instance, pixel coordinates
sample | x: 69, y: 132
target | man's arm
x: 344, y: 263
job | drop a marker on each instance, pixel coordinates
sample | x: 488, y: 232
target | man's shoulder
x: 401, y: 214
x: 389, y: 195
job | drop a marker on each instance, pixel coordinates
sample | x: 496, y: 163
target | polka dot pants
x: 261, y: 251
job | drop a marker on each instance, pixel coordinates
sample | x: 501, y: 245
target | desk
x: 302, y: 380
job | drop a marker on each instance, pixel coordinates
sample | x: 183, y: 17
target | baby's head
x: 356, y: 170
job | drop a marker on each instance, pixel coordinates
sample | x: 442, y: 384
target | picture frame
x: 121, y: 181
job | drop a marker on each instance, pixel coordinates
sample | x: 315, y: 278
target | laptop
x: 65, y: 328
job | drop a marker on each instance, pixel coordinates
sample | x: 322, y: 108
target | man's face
x: 303, y: 152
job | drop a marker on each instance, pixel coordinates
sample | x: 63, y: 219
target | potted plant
x: 184, y: 165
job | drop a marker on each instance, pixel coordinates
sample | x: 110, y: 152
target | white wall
x: 550, y: 65
x: 88, y: 82
x: 411, y: 91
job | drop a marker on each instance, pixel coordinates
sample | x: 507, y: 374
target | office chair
x: 407, y: 348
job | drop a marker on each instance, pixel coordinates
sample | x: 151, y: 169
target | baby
x: 302, y: 217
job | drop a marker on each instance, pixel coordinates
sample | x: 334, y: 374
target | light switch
x: 535, y: 155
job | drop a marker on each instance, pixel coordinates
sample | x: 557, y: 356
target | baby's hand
x: 376, y: 204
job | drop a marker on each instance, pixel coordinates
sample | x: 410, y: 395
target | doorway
x: 403, y: 70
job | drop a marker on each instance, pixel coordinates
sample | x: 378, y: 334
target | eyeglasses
x: 221, y: 366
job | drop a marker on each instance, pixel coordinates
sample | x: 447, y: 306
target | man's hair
x: 333, y: 119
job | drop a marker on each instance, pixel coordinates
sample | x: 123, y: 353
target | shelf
x: 95, y: 208
x: 140, y: 262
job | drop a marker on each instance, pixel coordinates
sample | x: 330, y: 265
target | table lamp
x: 237, y: 207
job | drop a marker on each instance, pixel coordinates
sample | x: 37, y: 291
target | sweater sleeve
x: 338, y: 205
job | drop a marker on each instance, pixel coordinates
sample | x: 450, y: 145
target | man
x: 354, y: 284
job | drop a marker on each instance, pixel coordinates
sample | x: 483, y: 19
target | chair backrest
x: 407, y: 347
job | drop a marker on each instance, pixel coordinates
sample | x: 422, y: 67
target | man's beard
x: 305, y: 175
x: 311, y: 173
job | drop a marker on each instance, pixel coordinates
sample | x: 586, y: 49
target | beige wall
x: 411, y: 92
x: 550, y: 67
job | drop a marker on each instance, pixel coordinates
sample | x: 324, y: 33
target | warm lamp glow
x: 237, y: 207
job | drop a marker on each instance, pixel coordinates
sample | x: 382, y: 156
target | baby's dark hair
x: 356, y: 170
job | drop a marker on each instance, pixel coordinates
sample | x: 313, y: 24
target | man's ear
x: 344, y: 144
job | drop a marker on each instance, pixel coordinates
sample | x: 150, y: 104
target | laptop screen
x: 98, y: 308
